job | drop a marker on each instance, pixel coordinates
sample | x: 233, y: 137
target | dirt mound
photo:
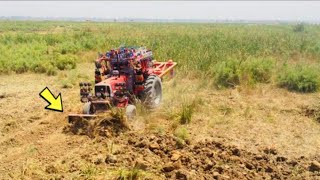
x: 105, y: 127
x: 164, y: 156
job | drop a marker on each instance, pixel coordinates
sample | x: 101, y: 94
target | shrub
x: 89, y: 171
x: 65, y: 62
x: 181, y: 133
x: 44, y: 67
x: 300, y: 78
x: 227, y: 73
x: 40, y: 67
x: 234, y: 72
x: 52, y: 39
x: 130, y: 174
x: 68, y: 47
x: 20, y: 67
x: 181, y: 136
x: 186, y: 113
x: 88, y: 44
x: 4, y: 67
x: 257, y: 69
x: 51, y: 70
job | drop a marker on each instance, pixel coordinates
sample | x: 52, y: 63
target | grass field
x: 250, y: 86
x: 229, y: 54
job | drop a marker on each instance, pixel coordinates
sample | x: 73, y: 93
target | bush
x: 20, y: 67
x: 235, y: 72
x: 44, y: 67
x: 299, y: 78
x: 68, y: 47
x: 227, y: 73
x: 181, y: 136
x: 131, y: 174
x: 259, y: 70
x: 51, y: 71
x: 40, y: 67
x: 181, y: 133
x: 65, y: 62
x: 186, y: 113
x: 4, y: 67
x: 89, y: 171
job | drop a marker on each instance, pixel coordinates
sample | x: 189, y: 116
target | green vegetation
x: 301, y: 78
x: 229, y: 54
x: 89, y: 171
x: 299, y: 27
x: 181, y: 133
x: 182, y: 136
x: 131, y: 174
x: 185, y: 115
x: 232, y: 72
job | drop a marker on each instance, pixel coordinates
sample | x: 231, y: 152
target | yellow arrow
x: 55, y: 104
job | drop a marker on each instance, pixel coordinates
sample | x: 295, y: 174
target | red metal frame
x: 162, y: 68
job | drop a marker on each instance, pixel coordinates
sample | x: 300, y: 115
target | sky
x: 213, y: 10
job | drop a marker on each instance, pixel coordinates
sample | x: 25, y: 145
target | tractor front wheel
x: 131, y: 111
x: 87, y: 108
x: 152, y: 94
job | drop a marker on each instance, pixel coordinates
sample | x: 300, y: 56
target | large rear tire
x: 152, y: 94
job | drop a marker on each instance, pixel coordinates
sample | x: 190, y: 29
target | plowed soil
x: 261, y: 133
x: 213, y: 158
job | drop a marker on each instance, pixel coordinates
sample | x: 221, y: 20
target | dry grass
x: 32, y: 138
x: 263, y: 116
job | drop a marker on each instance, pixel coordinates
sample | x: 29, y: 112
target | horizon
x: 149, y: 20
x: 280, y: 11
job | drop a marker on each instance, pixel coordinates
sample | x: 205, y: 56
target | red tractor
x: 121, y: 76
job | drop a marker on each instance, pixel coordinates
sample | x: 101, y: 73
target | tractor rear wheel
x: 152, y: 94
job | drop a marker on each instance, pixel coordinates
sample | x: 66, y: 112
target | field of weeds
x: 228, y: 55
x: 244, y: 103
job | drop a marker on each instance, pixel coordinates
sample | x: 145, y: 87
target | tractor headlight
x: 107, y: 94
x: 98, y: 94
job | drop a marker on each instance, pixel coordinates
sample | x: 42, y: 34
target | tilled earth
x: 169, y: 157
x: 210, y: 159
